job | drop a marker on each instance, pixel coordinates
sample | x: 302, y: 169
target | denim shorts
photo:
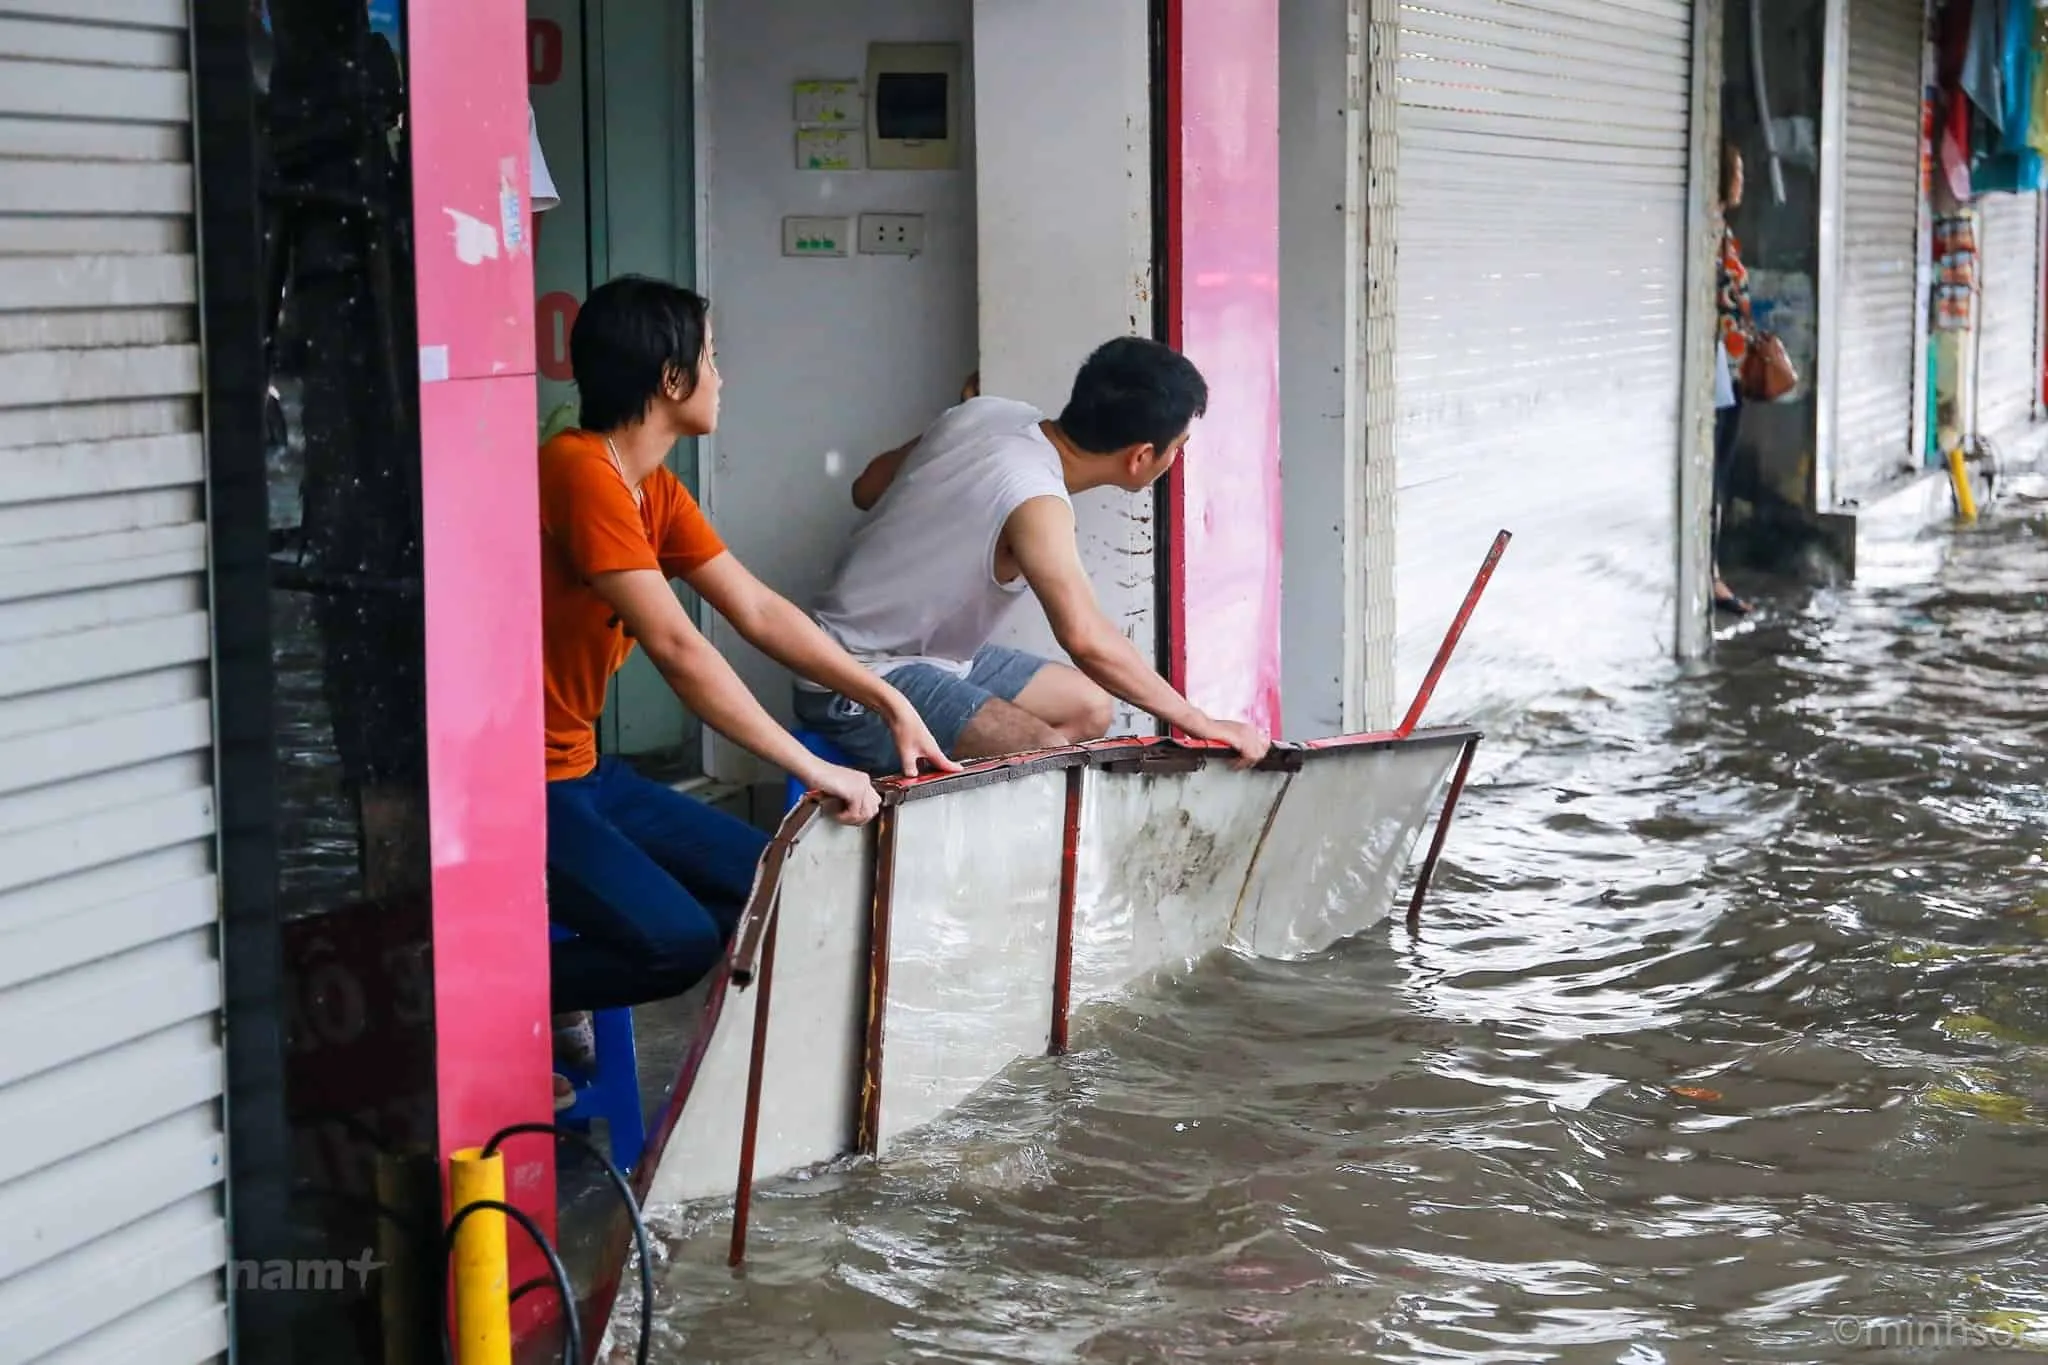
x: 945, y: 700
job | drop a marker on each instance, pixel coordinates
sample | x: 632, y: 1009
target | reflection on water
x: 1725, y: 1040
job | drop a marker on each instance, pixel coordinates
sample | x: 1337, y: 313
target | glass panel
x: 347, y: 644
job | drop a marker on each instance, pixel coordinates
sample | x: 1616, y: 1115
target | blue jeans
x: 945, y: 700
x: 650, y: 881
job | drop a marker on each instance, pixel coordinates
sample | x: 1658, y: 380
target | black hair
x: 631, y: 334
x: 1133, y: 391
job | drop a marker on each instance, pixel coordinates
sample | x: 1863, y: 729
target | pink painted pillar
x: 1223, y: 282
x: 486, y: 794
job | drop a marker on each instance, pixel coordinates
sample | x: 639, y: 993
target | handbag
x: 1767, y: 372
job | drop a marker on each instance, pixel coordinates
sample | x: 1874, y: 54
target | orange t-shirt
x: 589, y: 526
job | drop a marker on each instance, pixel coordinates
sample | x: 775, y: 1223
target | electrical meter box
x: 914, y: 106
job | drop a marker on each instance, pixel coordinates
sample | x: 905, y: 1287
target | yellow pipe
x: 483, y: 1303
x: 1959, y: 479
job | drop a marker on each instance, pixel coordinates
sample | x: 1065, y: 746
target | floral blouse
x: 1738, y: 324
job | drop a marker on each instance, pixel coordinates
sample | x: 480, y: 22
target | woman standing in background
x: 1737, y: 330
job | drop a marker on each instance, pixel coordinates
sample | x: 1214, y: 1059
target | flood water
x: 1724, y: 1039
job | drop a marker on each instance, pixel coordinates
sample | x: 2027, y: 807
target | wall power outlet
x: 891, y: 234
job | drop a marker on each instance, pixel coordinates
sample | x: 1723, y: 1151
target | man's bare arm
x: 880, y: 473
x: 1040, y: 536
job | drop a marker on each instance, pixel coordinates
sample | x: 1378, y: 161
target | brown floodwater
x: 1724, y: 1039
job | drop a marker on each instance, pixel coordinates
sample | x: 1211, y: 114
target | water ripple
x: 1725, y: 1027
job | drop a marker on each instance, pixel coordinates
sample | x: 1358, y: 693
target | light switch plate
x: 831, y: 149
x: 828, y: 104
x: 817, y: 237
x: 891, y: 234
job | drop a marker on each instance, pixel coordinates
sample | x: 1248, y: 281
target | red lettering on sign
x: 554, y: 315
x: 543, y: 52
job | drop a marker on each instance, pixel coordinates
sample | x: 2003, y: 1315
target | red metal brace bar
x: 750, y: 1124
x: 1063, y: 948
x: 1443, y: 652
x: 1443, y: 828
x: 868, y: 1132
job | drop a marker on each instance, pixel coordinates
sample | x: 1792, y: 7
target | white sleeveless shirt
x: 916, y: 583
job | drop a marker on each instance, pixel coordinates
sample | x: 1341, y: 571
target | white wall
x: 1064, y: 170
x: 1315, y: 323
x: 826, y: 362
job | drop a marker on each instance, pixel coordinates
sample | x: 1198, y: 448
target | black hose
x: 523, y: 1290
x: 618, y: 1180
x: 572, y: 1326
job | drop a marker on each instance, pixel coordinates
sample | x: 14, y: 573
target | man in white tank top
x: 961, y: 523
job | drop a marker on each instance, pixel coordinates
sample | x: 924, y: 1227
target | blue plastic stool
x: 612, y: 1091
x: 793, y: 789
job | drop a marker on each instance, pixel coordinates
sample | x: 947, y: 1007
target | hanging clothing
x: 1981, y: 75
x: 2016, y: 73
x: 2006, y: 162
x: 1955, y: 145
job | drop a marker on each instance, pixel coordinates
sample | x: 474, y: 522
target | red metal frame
x: 750, y: 1124
x: 868, y: 1136
x: 1454, y: 634
x: 1443, y: 829
x: 1063, y: 935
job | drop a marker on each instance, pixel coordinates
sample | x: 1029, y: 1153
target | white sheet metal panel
x: 972, y: 935
x: 2009, y: 320
x: 1875, y: 371
x: 1338, y: 847
x: 817, y: 1020
x: 1544, y: 152
x: 1162, y: 863
x: 111, y: 1145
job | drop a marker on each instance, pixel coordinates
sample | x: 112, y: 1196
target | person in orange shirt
x: 649, y: 881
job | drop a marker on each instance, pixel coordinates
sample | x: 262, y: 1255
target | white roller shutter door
x: 2009, y: 324
x: 1540, y: 327
x: 1874, y: 379
x: 112, y: 1155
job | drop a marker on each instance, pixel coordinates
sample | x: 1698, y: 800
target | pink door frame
x: 479, y: 495
x: 1222, y: 210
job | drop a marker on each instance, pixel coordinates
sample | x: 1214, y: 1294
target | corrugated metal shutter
x: 111, y: 1147
x: 2008, y: 329
x: 1874, y: 376
x: 1543, y: 198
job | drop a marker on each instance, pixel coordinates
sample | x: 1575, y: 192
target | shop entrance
x: 831, y: 350
x: 613, y: 99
